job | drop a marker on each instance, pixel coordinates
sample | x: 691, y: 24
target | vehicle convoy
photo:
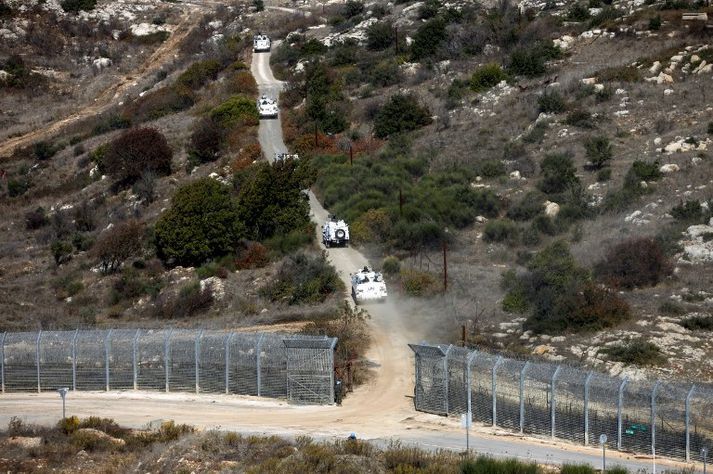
x: 266, y: 107
x: 335, y: 233
x: 261, y: 43
x: 368, y: 285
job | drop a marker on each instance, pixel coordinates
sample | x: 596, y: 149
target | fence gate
x: 310, y: 370
x: 431, y: 390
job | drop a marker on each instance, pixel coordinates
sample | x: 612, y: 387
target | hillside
x: 557, y: 153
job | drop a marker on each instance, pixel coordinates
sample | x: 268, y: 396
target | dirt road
x: 112, y: 94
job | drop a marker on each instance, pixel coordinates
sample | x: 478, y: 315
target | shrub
x: 191, y: 299
x: 18, y: 186
x: 69, y: 424
x: 551, y: 102
x: 698, y: 323
x: 418, y: 283
x: 578, y: 12
x: 428, y: 38
x: 380, y: 35
x: 202, y: 223
x: 489, y: 465
x: 537, y: 134
x: 490, y: 168
x: 61, y: 251
x: 690, y: 211
x: 599, y: 151
x: 672, y: 308
x: 44, y: 151
x: 76, y: 5
x: 238, y: 110
x: 486, y: 77
x: 117, y: 244
x: 621, y: 73
x: 252, y: 255
x: 206, y: 141
x: 655, y: 23
x: 579, y: 118
x: 604, y: 175
x: 145, y: 187
x: 530, y: 62
x: 529, y: 206
x: 353, y: 8
x: 303, y: 279
x: 558, y: 173
x: 385, y: 73
x: 199, y: 73
x: 391, y: 265
x: 577, y: 469
x: 136, y: 152
x: 710, y: 128
x: 499, y: 230
x: 606, y: 14
x: 36, y: 219
x: 155, y: 104
x: 402, y: 113
x: 131, y: 284
x: 636, y: 352
x: 244, y: 83
x: 428, y: 9
x: 259, y: 5
x: 5, y: 10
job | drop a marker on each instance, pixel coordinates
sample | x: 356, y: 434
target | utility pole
x: 351, y: 154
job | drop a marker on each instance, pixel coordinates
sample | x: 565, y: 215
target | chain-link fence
x: 671, y: 419
x: 299, y: 368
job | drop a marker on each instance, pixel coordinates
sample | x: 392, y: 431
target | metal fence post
x: 498, y: 361
x: 106, y: 358
x: 332, y: 348
x: 553, y: 403
x: 522, y: 396
x: 37, y: 359
x: 228, y: 339
x: 74, y: 359
x: 135, y: 358
x: 653, y: 415
x: 469, y: 396
x: 688, y: 422
x: 2, y: 362
x: 447, y: 379
x: 258, y: 349
x: 619, y: 407
x: 198, y: 359
x: 167, y: 356
x: 586, y: 407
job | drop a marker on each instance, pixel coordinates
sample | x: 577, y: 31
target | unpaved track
x: 379, y: 410
x: 111, y: 95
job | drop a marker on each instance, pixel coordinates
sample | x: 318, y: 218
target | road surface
x: 381, y: 409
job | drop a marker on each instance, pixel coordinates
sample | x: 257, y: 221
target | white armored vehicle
x: 368, y: 285
x: 266, y: 107
x: 261, y: 43
x: 335, y: 233
x: 286, y: 156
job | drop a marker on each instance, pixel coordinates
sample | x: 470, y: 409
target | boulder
x: 669, y: 168
x: 551, y: 208
x: 101, y: 63
x: 216, y: 285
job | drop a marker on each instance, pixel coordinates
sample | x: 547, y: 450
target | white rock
x: 669, y: 168
x: 668, y: 92
x: 655, y: 68
x: 598, y: 87
x: 657, y: 141
x: 589, y: 81
x: 551, y: 208
x: 101, y: 63
x: 515, y: 175
x: 216, y: 286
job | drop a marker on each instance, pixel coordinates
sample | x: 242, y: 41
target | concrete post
x: 258, y: 350
x: 498, y: 361
x: 587, y: 381
x: 523, y: 372
x: 135, y: 358
x: 688, y: 422
x: 619, y: 409
x: 167, y: 356
x: 553, y: 404
x: 106, y: 358
x: 653, y: 414
x: 198, y: 359
x: 74, y: 360
x: 2, y: 362
x: 37, y: 359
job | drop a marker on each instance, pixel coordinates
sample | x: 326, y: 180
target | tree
x: 270, y: 197
x: 61, y: 251
x: 599, y: 151
x: 428, y: 38
x: 558, y: 173
x: 117, y: 244
x: 402, y: 113
x: 135, y: 152
x: 633, y: 263
x: 202, y: 223
x: 206, y: 141
x: 380, y: 35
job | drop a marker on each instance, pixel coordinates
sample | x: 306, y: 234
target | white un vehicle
x: 266, y: 107
x: 367, y: 286
x: 335, y: 233
x: 261, y: 43
x: 286, y: 156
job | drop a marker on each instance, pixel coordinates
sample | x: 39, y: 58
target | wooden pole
x: 351, y: 155
x: 445, y: 265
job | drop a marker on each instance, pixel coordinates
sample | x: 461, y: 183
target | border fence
x: 298, y: 368
x: 641, y: 416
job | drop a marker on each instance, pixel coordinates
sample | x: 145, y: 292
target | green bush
x: 604, y: 175
x: 527, y: 208
x: 303, y: 279
x: 558, y: 173
x: 61, y: 251
x: 579, y: 118
x: 391, y: 265
x: 599, y: 151
x: 486, y: 77
x: 401, y: 113
x: 385, y: 73
x: 578, y: 12
x: 238, y: 110
x: 199, y: 73
x: 490, y: 168
x: 69, y: 424
x: 206, y: 141
x: 76, y: 5
x: 380, y: 36
x: 698, y: 323
x: 499, y: 230
x: 577, y: 469
x: 655, y: 23
x: 353, y: 8
x: 636, y: 352
x: 530, y: 62
x: 44, y: 151
x: 690, y: 211
x: 5, y: 10
x: 551, y: 102
x: 428, y: 38
x: 259, y: 5
x: 202, y: 223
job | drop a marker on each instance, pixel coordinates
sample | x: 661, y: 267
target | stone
x: 669, y: 168
x: 101, y: 63
x: 216, y: 286
x: 589, y: 81
x: 543, y: 349
x: 515, y: 175
x: 655, y: 68
x: 551, y: 208
x: 657, y: 141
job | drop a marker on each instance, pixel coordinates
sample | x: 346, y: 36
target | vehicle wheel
x: 340, y: 234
